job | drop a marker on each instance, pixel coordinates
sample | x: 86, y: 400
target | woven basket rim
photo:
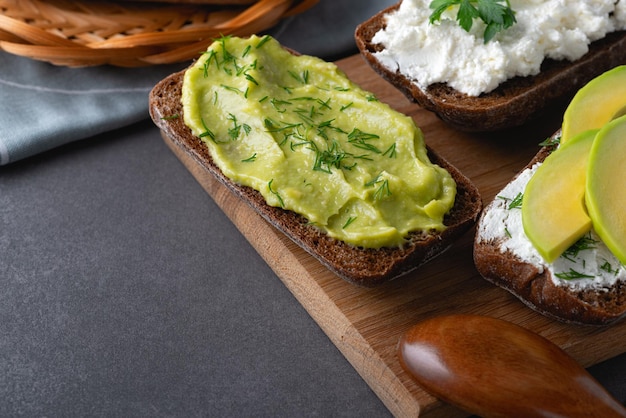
x: 130, y: 33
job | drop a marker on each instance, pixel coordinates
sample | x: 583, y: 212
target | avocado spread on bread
x: 311, y: 141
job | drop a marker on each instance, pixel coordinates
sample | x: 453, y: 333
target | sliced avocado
x: 606, y: 186
x: 553, y: 207
x: 598, y: 102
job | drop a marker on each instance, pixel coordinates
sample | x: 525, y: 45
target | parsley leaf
x: 496, y: 14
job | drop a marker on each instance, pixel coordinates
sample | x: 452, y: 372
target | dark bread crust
x: 514, y: 102
x: 364, y: 267
x: 536, y: 289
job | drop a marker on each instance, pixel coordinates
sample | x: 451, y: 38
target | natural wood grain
x: 366, y: 324
x: 494, y: 368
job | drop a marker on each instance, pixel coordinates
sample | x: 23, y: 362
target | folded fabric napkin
x: 43, y: 106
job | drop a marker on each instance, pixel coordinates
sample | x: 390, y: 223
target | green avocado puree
x: 311, y: 141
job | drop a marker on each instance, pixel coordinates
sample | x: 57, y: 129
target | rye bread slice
x: 514, y: 102
x: 364, y: 267
x: 534, y: 285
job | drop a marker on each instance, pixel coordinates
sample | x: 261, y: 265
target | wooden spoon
x: 494, y: 368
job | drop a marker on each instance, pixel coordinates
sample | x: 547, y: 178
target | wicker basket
x: 130, y: 33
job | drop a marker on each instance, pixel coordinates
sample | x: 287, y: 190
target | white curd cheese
x: 444, y: 52
x: 504, y: 224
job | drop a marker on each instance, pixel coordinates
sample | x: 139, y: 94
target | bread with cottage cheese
x: 363, y: 267
x: 512, y: 103
x: 533, y: 283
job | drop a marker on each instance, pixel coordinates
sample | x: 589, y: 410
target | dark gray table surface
x: 127, y: 292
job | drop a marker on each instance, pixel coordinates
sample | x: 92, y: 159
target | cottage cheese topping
x: 445, y: 53
x: 505, y: 224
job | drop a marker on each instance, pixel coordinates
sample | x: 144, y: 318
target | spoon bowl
x: 493, y: 368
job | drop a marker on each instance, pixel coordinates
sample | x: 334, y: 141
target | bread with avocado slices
x: 585, y: 285
x: 362, y: 266
x: 514, y: 102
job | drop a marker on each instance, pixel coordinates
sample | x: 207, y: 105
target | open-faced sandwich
x: 556, y: 235
x: 493, y: 64
x: 345, y: 176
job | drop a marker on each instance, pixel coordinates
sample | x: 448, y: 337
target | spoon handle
x: 494, y: 368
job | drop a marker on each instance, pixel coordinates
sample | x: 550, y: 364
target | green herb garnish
x: 233, y: 132
x: 207, y: 131
x: 301, y: 78
x: 349, y: 221
x: 383, y: 187
x: 360, y: 139
x: 609, y: 268
x: 572, y: 275
x: 262, y: 41
x: 550, y: 142
x: 280, y: 199
x: 391, y: 151
x: 344, y: 107
x: 326, y: 159
x: 249, y: 159
x: 496, y: 14
x: 584, y: 243
x: 515, y: 203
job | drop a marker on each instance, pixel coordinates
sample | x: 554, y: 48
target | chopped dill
x: 327, y: 159
x: 344, y: 107
x: 573, y: 275
x: 359, y: 139
x: 606, y: 266
x: 552, y: 141
x: 233, y: 89
x: 234, y: 132
x: 349, y: 221
x: 280, y: 199
x: 584, y: 243
x: 279, y: 105
x: 251, y: 79
x: 391, y: 151
x: 382, y: 190
x: 301, y: 78
x: 250, y: 159
x: 515, y: 203
x: 246, y: 51
x: 207, y: 131
x: 263, y: 41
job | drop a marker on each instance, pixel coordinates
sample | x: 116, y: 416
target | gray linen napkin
x: 43, y: 106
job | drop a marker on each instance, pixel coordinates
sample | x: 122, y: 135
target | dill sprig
x: 360, y: 139
x: 391, y: 151
x: 236, y: 128
x: 349, y: 221
x: 382, y: 190
x: 515, y: 203
x: 275, y: 193
x: 608, y: 267
x: 250, y: 159
x: 207, y: 131
x: 584, y: 243
x: 551, y: 141
x: 573, y: 275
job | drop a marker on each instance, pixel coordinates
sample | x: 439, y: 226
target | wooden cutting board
x: 365, y: 324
